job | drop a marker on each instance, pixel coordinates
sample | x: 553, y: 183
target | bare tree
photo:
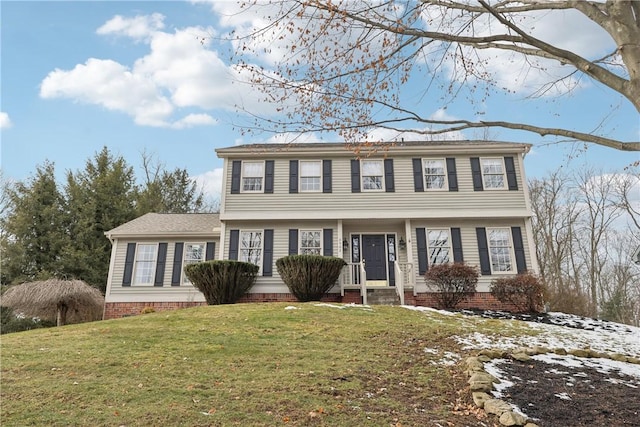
x: 584, y: 243
x: 341, y: 65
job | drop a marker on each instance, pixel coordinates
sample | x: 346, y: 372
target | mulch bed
x: 576, y: 397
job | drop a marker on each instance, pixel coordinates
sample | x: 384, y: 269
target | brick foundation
x: 481, y: 300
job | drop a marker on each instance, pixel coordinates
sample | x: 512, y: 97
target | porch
x: 401, y: 279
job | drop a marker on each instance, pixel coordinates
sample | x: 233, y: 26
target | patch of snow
x: 341, y: 307
x: 563, y: 396
x: 429, y: 309
x: 291, y: 307
x: 492, y: 369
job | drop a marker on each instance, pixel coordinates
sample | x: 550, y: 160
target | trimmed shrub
x: 524, y: 291
x: 222, y: 281
x: 309, y: 277
x: 453, y: 283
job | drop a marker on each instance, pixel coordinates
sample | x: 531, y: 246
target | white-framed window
x: 438, y: 246
x: 372, y: 172
x: 145, y: 263
x: 435, y: 174
x: 310, y: 242
x: 251, y: 247
x: 192, y: 253
x: 310, y: 175
x: 493, y: 176
x: 500, y: 250
x: 252, y: 176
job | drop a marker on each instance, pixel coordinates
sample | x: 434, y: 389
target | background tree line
x: 50, y: 230
x: 587, y: 227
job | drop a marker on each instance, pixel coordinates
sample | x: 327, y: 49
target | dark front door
x: 374, y: 255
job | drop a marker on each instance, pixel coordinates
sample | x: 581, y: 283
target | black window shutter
x: 476, y: 173
x: 418, y: 180
x: 128, y: 264
x: 267, y: 258
x: 518, y: 248
x: 268, y: 176
x: 483, y: 251
x: 389, y: 185
x: 210, y: 252
x: 327, y: 242
x: 236, y: 170
x: 293, y: 176
x: 452, y: 175
x: 355, y: 175
x: 160, y: 264
x: 293, y: 241
x: 177, y: 264
x: 456, y: 242
x: 326, y: 176
x: 234, y: 236
x: 510, y: 167
x: 421, y: 241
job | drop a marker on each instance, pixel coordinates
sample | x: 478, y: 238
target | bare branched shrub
x: 525, y: 291
x: 453, y: 283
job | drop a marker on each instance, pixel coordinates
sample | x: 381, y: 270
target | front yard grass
x: 242, y: 364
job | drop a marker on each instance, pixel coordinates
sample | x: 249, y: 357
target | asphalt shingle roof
x: 156, y: 223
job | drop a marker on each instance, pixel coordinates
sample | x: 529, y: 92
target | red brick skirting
x: 481, y: 300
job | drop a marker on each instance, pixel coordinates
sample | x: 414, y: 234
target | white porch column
x: 340, y: 237
x: 410, y: 259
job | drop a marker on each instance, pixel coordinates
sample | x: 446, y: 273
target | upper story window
x: 310, y: 242
x: 372, y: 175
x: 435, y: 174
x: 500, y: 250
x: 310, y: 175
x: 193, y: 253
x: 438, y: 246
x: 252, y: 176
x: 145, y: 264
x: 251, y: 247
x: 493, y: 176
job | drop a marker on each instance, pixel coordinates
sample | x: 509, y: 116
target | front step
x: 386, y: 296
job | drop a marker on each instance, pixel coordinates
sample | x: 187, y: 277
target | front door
x: 374, y: 255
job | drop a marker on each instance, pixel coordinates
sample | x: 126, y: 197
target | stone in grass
x: 493, y: 354
x: 511, y: 418
x: 579, y: 352
x: 560, y: 351
x: 619, y: 357
x: 485, y: 386
x: 531, y: 425
x: 522, y: 357
x: 483, y: 376
x: 496, y: 406
x: 473, y: 364
x: 479, y: 397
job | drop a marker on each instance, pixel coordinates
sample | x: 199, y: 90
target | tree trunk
x: 61, y: 314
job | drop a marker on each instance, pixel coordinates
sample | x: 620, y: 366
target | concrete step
x: 384, y: 296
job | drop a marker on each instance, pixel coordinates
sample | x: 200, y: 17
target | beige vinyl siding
x: 280, y: 229
x: 403, y: 203
x: 469, y: 245
x: 185, y: 292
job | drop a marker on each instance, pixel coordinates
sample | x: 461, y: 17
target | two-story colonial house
x: 390, y: 214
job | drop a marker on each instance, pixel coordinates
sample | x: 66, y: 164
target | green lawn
x: 243, y: 364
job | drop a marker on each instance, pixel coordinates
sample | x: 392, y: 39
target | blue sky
x: 132, y: 76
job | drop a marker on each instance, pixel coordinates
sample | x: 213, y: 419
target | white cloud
x: 5, y: 121
x: 138, y: 28
x: 180, y: 71
x: 194, y: 120
x: 210, y: 182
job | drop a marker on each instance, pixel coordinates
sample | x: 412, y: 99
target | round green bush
x: 309, y: 277
x: 222, y: 281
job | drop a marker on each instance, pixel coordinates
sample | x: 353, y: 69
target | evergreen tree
x: 33, y: 229
x: 98, y: 198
